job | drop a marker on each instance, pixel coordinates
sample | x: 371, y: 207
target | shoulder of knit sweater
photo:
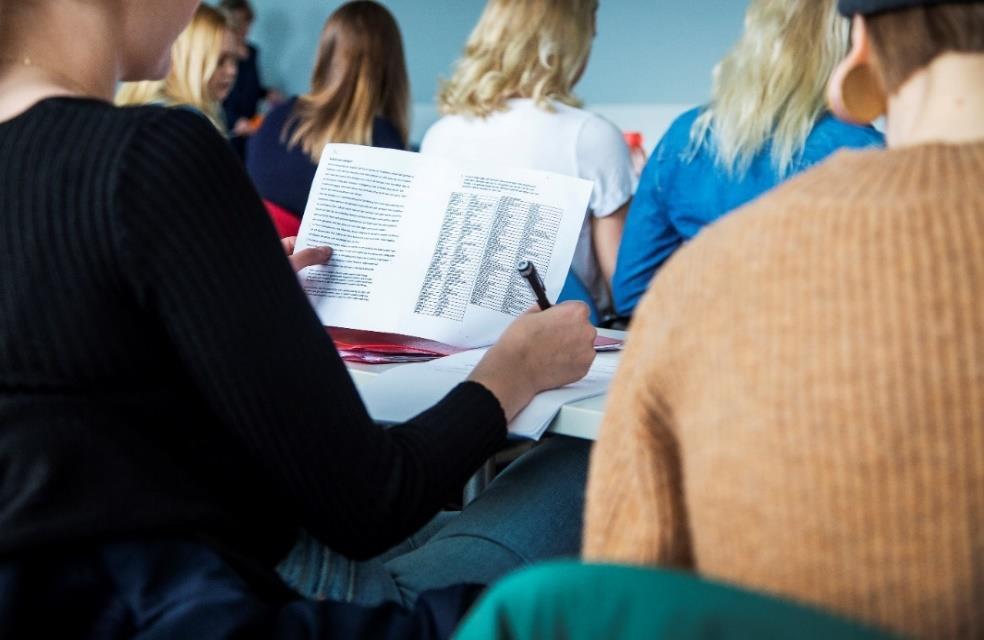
x: 131, y: 122
x: 874, y: 177
x: 133, y: 113
x: 743, y: 246
x: 176, y: 122
x: 852, y: 180
x: 173, y: 123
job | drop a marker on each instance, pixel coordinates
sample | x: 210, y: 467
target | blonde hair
x: 194, y: 58
x: 521, y: 49
x: 359, y: 74
x: 771, y: 87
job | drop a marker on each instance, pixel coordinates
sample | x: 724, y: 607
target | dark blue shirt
x: 284, y: 176
x: 244, y: 97
x: 677, y: 197
x: 247, y: 91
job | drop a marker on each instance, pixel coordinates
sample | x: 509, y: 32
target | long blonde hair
x: 194, y: 58
x: 359, y: 74
x: 521, y: 49
x: 771, y: 86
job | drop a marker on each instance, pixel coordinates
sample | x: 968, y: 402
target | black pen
x: 528, y: 270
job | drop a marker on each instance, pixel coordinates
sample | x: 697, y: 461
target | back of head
x: 194, y: 58
x: 771, y: 87
x: 232, y: 7
x: 922, y: 61
x: 521, y: 49
x: 908, y: 39
x: 359, y: 74
x: 239, y: 15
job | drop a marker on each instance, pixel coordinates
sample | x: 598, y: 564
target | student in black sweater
x: 171, y: 411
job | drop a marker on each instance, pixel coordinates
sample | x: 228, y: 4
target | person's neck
x: 942, y: 103
x: 47, y: 51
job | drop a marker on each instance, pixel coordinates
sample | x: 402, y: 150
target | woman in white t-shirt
x: 510, y: 102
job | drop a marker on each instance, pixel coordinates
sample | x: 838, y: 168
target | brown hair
x: 228, y: 6
x: 907, y: 40
x: 359, y: 74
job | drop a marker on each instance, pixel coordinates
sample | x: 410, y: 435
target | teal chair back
x: 573, y: 601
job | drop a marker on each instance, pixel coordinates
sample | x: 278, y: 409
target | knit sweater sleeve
x: 201, y: 256
x: 635, y: 512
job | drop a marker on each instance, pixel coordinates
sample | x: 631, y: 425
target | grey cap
x: 865, y: 7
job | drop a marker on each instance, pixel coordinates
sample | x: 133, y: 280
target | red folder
x: 372, y: 347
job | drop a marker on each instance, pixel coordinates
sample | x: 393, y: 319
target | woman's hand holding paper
x: 306, y: 257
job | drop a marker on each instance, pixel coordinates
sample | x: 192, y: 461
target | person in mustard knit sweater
x: 800, y: 407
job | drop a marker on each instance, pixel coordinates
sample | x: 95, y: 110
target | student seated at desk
x: 242, y: 104
x: 511, y: 102
x: 172, y: 412
x: 204, y: 59
x: 359, y: 94
x: 766, y: 122
x: 800, y: 407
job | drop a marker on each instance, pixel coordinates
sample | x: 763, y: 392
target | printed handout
x: 424, y: 247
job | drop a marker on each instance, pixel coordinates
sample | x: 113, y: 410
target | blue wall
x: 647, y: 51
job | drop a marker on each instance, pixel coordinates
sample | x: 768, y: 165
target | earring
x: 855, y: 94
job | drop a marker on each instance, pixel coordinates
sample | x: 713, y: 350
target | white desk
x: 578, y: 419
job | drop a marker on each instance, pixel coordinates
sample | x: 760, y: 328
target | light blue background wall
x: 647, y: 52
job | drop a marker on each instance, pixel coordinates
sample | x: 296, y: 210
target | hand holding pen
x: 538, y: 351
x: 528, y: 270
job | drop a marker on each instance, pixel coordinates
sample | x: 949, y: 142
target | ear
x: 854, y: 92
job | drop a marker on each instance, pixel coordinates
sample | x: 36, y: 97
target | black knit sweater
x: 161, y: 372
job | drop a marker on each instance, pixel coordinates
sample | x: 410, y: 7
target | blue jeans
x: 529, y: 513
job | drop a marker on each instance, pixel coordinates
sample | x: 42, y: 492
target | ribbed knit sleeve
x: 200, y: 255
x: 635, y: 511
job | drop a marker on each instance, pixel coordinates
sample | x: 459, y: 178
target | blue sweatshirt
x: 677, y: 198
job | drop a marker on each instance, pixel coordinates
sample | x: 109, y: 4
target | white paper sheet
x: 427, y: 248
x: 402, y: 392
